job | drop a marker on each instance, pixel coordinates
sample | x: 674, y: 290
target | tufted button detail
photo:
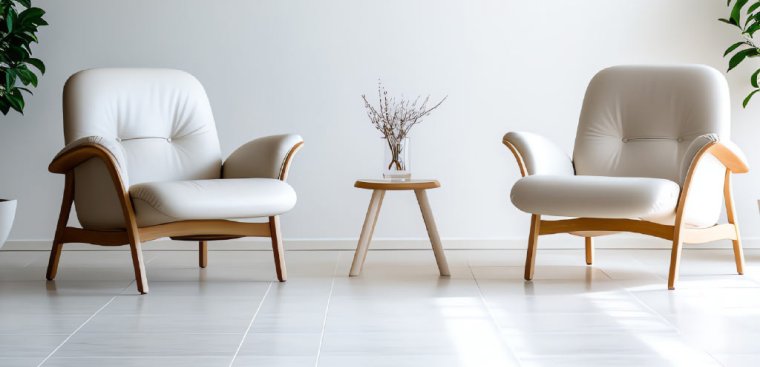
x: 118, y: 139
x: 679, y: 140
x: 169, y: 140
x: 625, y: 140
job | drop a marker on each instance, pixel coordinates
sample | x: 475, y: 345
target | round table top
x: 396, y: 184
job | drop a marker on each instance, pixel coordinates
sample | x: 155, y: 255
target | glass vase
x: 396, y: 159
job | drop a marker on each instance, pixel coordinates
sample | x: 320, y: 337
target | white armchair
x: 652, y: 155
x: 143, y: 161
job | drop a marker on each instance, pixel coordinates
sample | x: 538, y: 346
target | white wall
x: 272, y: 66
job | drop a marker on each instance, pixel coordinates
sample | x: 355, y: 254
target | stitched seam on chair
x: 144, y: 137
x: 651, y: 138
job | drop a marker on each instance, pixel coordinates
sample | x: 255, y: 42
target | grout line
x: 250, y: 325
x: 81, y: 326
x: 491, y: 315
x: 327, y: 309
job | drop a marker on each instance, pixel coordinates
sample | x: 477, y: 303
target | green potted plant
x: 745, y: 16
x: 19, y: 22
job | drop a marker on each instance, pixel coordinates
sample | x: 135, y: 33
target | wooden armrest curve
x: 730, y: 156
x: 69, y: 159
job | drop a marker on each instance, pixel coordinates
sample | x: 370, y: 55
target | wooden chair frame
x: 134, y: 236
x: 678, y: 233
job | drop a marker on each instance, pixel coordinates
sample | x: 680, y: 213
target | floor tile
x: 150, y: 345
x: 137, y: 361
x: 20, y: 362
x: 412, y: 361
x: 28, y: 346
x: 274, y: 361
x: 399, y: 312
x: 281, y: 344
x: 739, y: 360
x: 30, y: 324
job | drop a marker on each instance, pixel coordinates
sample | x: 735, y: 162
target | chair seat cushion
x: 652, y: 199
x: 171, y: 201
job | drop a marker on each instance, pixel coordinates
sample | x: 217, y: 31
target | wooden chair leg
x: 55, y: 257
x: 202, y: 254
x: 731, y: 216
x: 675, y: 259
x: 141, y: 278
x: 589, y: 250
x: 738, y: 254
x: 530, y: 260
x: 63, y: 220
x: 277, y: 249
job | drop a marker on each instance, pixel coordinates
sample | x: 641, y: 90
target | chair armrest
x: 731, y: 156
x: 267, y: 157
x: 728, y: 153
x: 86, y: 148
x: 537, y: 155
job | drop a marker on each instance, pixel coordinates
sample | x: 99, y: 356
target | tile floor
x: 398, y: 313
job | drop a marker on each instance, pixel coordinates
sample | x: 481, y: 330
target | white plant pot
x: 7, y: 213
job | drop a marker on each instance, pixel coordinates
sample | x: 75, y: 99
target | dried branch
x: 394, y: 119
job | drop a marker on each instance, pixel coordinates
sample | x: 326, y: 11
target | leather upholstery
x: 540, y: 155
x: 652, y: 199
x: 638, y: 121
x: 648, y: 122
x: 264, y: 157
x: 158, y: 125
x: 171, y: 201
x: 692, y: 150
x: 110, y: 145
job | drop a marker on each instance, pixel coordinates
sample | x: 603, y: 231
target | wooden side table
x: 379, y: 187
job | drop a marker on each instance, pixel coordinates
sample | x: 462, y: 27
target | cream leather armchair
x: 142, y: 161
x: 652, y: 155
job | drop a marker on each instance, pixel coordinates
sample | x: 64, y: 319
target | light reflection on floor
x: 398, y: 313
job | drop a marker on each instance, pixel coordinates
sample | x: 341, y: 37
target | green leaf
x: 752, y: 29
x: 17, y: 101
x: 26, y: 3
x: 752, y: 18
x: 736, y: 12
x: 30, y: 15
x: 740, y: 56
x: 32, y: 37
x: 10, y: 19
x: 26, y: 76
x: 18, y: 53
x: 37, y: 63
x: 10, y: 79
x: 4, y: 105
x: 753, y: 79
x: 753, y: 7
x: 733, y: 47
x: 728, y: 21
x: 746, y: 100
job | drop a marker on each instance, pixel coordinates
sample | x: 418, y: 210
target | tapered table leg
x: 367, y: 229
x: 202, y: 254
x: 432, y: 230
x: 589, y: 250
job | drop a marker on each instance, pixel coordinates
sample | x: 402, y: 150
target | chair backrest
x: 638, y: 121
x: 160, y: 118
